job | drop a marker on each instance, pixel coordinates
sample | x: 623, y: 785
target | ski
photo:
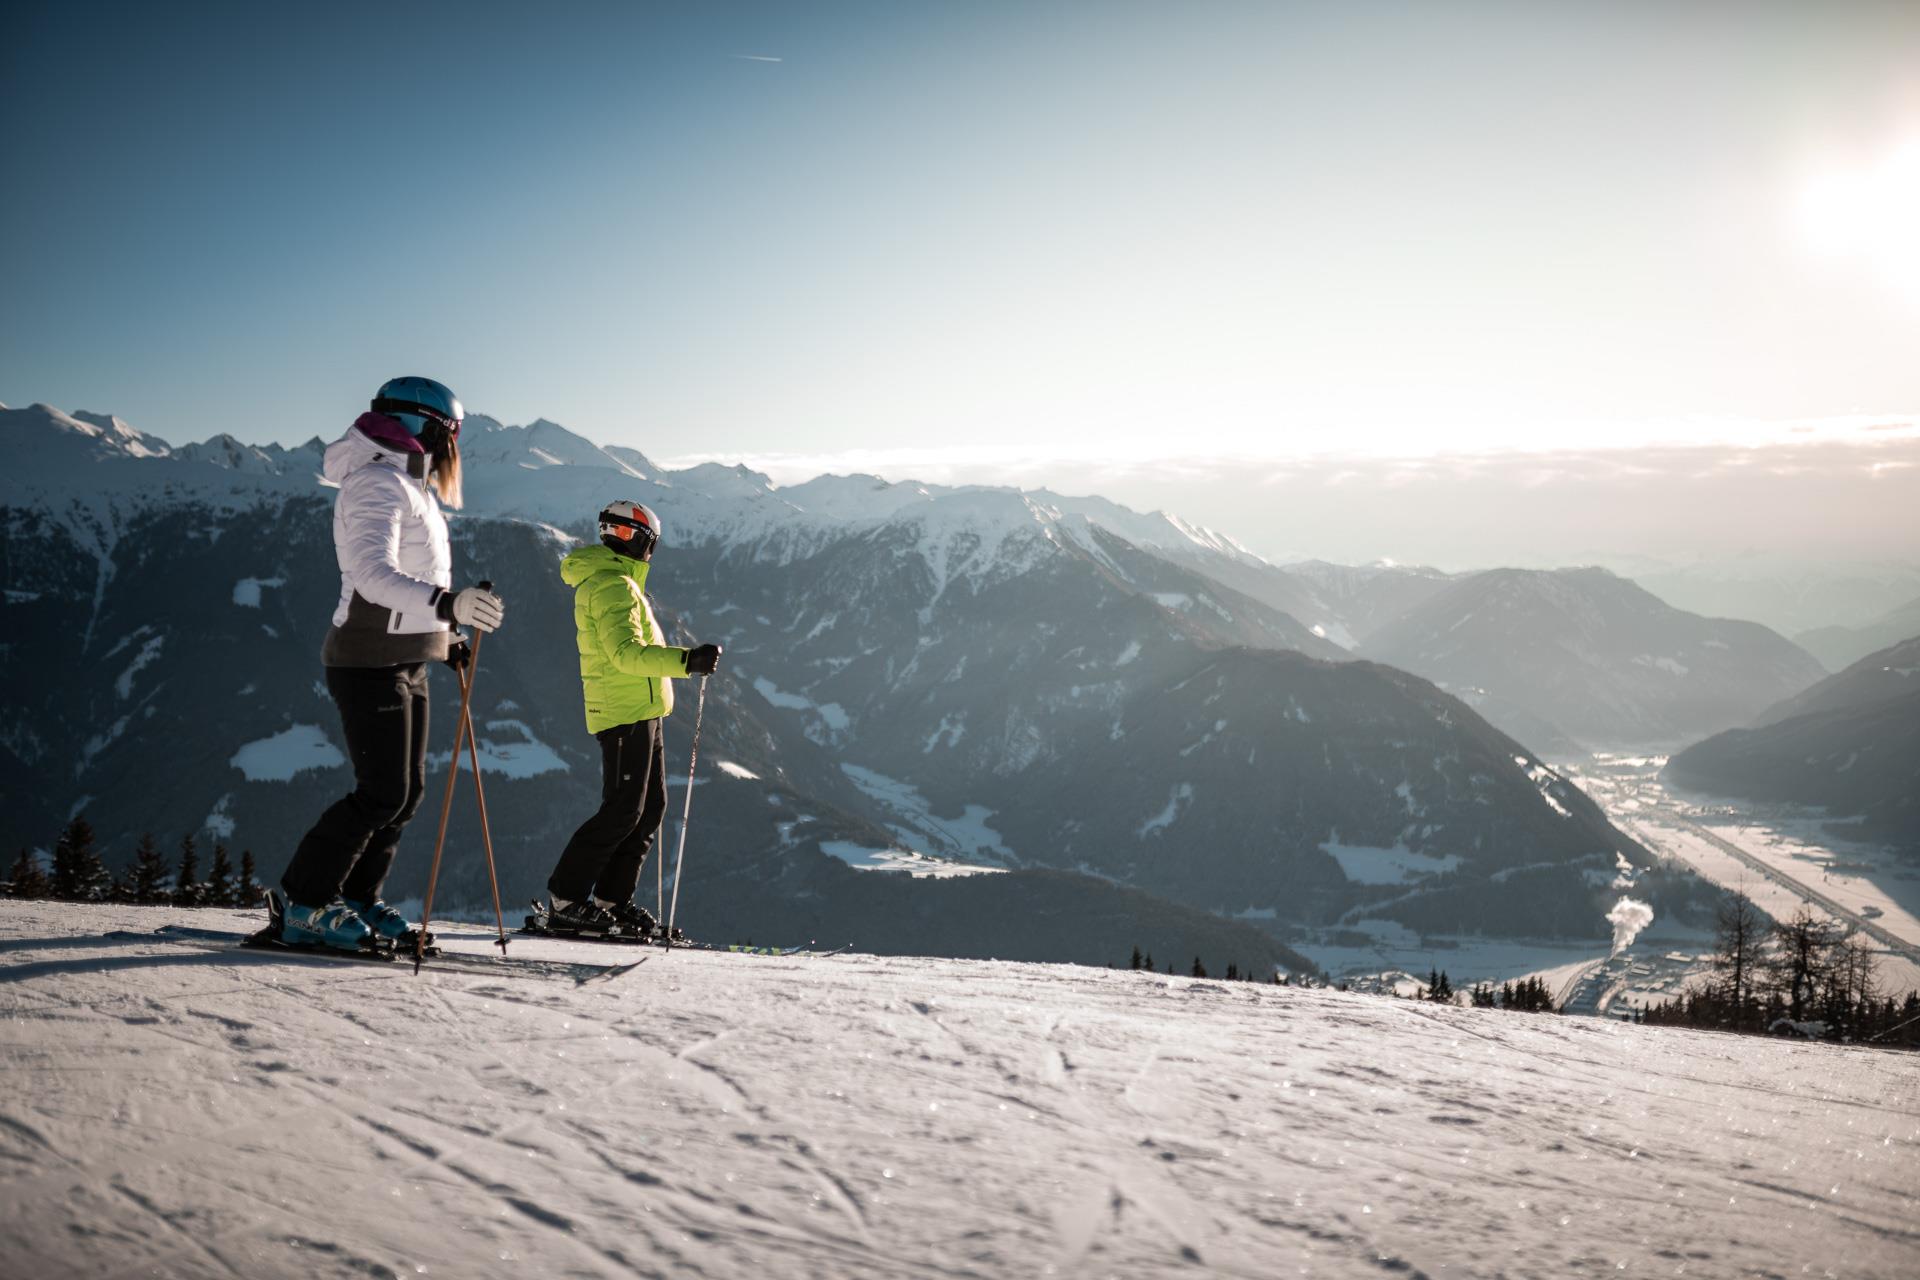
x: 739, y: 949
x: 611, y: 971
x: 536, y: 927
x: 492, y: 966
x: 377, y: 950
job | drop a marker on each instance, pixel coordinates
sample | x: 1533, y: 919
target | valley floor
x: 1781, y: 860
x: 170, y: 1109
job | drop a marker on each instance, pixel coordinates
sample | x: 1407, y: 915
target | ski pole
x: 480, y: 795
x: 693, y: 759
x: 660, y: 860
x: 446, y: 805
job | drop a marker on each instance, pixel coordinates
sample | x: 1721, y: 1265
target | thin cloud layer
x: 1817, y: 490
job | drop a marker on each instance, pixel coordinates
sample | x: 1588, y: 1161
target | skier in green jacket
x: 628, y: 677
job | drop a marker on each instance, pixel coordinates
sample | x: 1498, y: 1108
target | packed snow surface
x: 176, y: 1110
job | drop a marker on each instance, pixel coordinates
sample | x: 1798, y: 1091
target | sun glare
x: 1866, y: 218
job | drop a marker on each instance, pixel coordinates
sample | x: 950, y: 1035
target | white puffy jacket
x: 395, y: 562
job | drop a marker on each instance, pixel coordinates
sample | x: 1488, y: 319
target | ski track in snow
x: 172, y: 1110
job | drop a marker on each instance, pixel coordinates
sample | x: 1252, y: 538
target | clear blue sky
x: 1123, y: 230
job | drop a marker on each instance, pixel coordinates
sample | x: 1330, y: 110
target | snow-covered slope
x: 178, y: 1111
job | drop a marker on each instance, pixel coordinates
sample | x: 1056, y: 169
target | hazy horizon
x: 1630, y: 511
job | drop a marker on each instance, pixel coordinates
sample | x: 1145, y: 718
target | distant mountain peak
x: 41, y: 426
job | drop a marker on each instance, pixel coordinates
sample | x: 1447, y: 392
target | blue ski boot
x: 331, y: 924
x: 383, y: 919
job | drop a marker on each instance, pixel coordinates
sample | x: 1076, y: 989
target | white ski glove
x: 473, y: 607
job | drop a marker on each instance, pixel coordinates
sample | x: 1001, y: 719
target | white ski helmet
x: 630, y: 528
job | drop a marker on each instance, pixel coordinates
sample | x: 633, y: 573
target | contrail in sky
x: 757, y: 57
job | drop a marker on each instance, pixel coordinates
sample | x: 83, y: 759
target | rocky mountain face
x: 1579, y: 657
x: 1061, y: 716
x: 1849, y: 745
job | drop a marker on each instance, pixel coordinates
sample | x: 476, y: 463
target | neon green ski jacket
x: 624, y: 669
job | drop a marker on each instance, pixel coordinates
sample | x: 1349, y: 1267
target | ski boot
x: 331, y: 924
x: 634, y: 920
x: 385, y: 921
x: 639, y: 923
x: 582, y: 919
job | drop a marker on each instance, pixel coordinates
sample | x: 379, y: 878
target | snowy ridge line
x: 86, y: 470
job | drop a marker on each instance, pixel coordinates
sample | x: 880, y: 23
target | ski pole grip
x: 486, y: 584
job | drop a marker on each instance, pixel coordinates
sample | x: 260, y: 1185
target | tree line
x: 1144, y: 961
x: 1800, y: 976
x: 79, y: 874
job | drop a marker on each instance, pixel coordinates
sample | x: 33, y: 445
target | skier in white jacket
x: 395, y: 466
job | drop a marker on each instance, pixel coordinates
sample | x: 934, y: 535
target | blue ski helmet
x: 416, y: 402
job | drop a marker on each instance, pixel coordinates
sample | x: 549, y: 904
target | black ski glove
x: 702, y: 661
x: 459, y: 654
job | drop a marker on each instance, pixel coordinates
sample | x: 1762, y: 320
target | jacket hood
x: 583, y: 562
x: 373, y: 438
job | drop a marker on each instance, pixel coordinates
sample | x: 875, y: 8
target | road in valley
x: 1898, y: 946
x: 1629, y: 789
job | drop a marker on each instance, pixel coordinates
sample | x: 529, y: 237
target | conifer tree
x: 26, y: 877
x: 1233, y: 971
x: 78, y: 873
x: 1136, y: 957
x: 1147, y: 963
x: 219, y: 892
x: 149, y: 872
x: 187, y: 888
x: 246, y: 890
x: 1199, y: 970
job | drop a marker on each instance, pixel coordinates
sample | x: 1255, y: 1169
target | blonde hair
x: 444, y: 472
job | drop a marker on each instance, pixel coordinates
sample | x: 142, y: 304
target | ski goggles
x: 449, y: 425
x: 625, y: 530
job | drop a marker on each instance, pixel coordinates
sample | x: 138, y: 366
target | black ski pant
x: 350, y: 849
x: 604, y: 857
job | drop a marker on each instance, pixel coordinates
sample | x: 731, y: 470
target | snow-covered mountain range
x: 968, y: 682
